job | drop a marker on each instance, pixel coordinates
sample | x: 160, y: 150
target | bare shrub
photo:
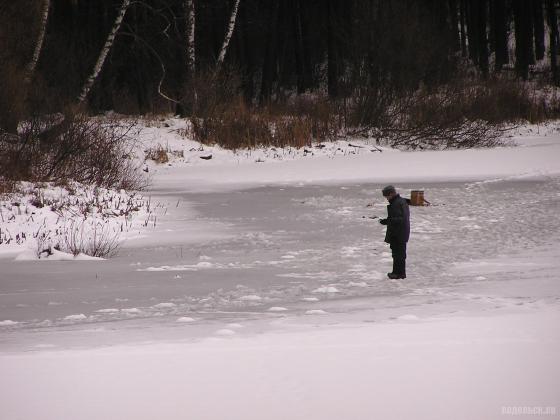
x: 95, y: 239
x: 158, y: 154
x: 439, y: 119
x: 445, y: 117
x: 44, y: 244
x: 323, y: 116
x: 293, y: 132
x: 72, y: 147
x: 7, y: 186
x: 233, y: 128
x: 295, y: 124
x: 212, y: 93
x: 506, y: 101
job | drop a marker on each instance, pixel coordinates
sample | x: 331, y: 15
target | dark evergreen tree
x: 553, y: 27
x: 523, y: 37
x: 482, y: 48
x: 332, y: 48
x: 463, y: 23
x: 500, y: 31
x: 538, y: 28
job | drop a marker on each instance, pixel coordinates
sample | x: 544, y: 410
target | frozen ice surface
x: 339, y: 257
x: 473, y: 325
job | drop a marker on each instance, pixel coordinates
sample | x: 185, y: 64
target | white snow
x: 408, y: 317
x: 131, y: 310
x: 76, y: 317
x: 225, y: 332
x: 185, y: 319
x: 315, y: 312
x: 165, y: 305
x: 251, y: 298
x: 326, y: 289
x: 327, y: 165
x: 107, y: 311
x: 44, y: 221
x: 358, y: 284
x: 459, y: 344
x: 460, y: 367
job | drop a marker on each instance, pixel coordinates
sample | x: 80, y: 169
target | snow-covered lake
x: 261, y: 294
x: 267, y: 253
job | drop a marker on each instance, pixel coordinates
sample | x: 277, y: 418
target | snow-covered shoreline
x: 225, y: 313
x: 530, y: 151
x: 456, y: 367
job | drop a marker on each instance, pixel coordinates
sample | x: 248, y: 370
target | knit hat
x: 389, y: 189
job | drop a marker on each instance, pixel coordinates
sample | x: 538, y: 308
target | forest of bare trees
x: 414, y: 72
x: 127, y: 52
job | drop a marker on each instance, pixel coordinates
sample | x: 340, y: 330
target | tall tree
x: 270, y: 52
x: 455, y: 31
x: 523, y: 37
x: 104, y: 51
x: 481, y: 10
x: 499, y: 28
x: 462, y: 20
x: 302, y: 68
x: 30, y: 70
x: 538, y: 28
x: 332, y: 50
x: 190, y: 31
x: 188, y: 104
x: 472, y: 29
x: 553, y: 34
x: 229, y: 32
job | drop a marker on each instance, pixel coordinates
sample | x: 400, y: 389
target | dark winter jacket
x: 398, y: 220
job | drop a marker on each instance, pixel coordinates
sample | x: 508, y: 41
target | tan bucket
x: 417, y: 198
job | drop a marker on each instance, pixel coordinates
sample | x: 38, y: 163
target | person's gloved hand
x: 383, y: 221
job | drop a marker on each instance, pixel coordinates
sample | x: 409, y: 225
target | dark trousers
x: 398, y: 249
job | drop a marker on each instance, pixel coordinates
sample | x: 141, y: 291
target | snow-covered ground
x: 261, y: 292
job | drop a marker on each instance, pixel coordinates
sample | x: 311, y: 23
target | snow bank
x: 455, y: 368
x: 50, y: 222
x: 353, y: 160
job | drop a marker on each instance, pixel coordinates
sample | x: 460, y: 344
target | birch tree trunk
x: 229, y: 32
x: 104, y: 52
x: 191, y: 55
x: 39, y: 43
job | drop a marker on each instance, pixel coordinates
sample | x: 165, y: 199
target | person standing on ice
x: 398, y: 230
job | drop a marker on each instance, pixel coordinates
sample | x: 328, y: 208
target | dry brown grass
x: 158, y: 154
